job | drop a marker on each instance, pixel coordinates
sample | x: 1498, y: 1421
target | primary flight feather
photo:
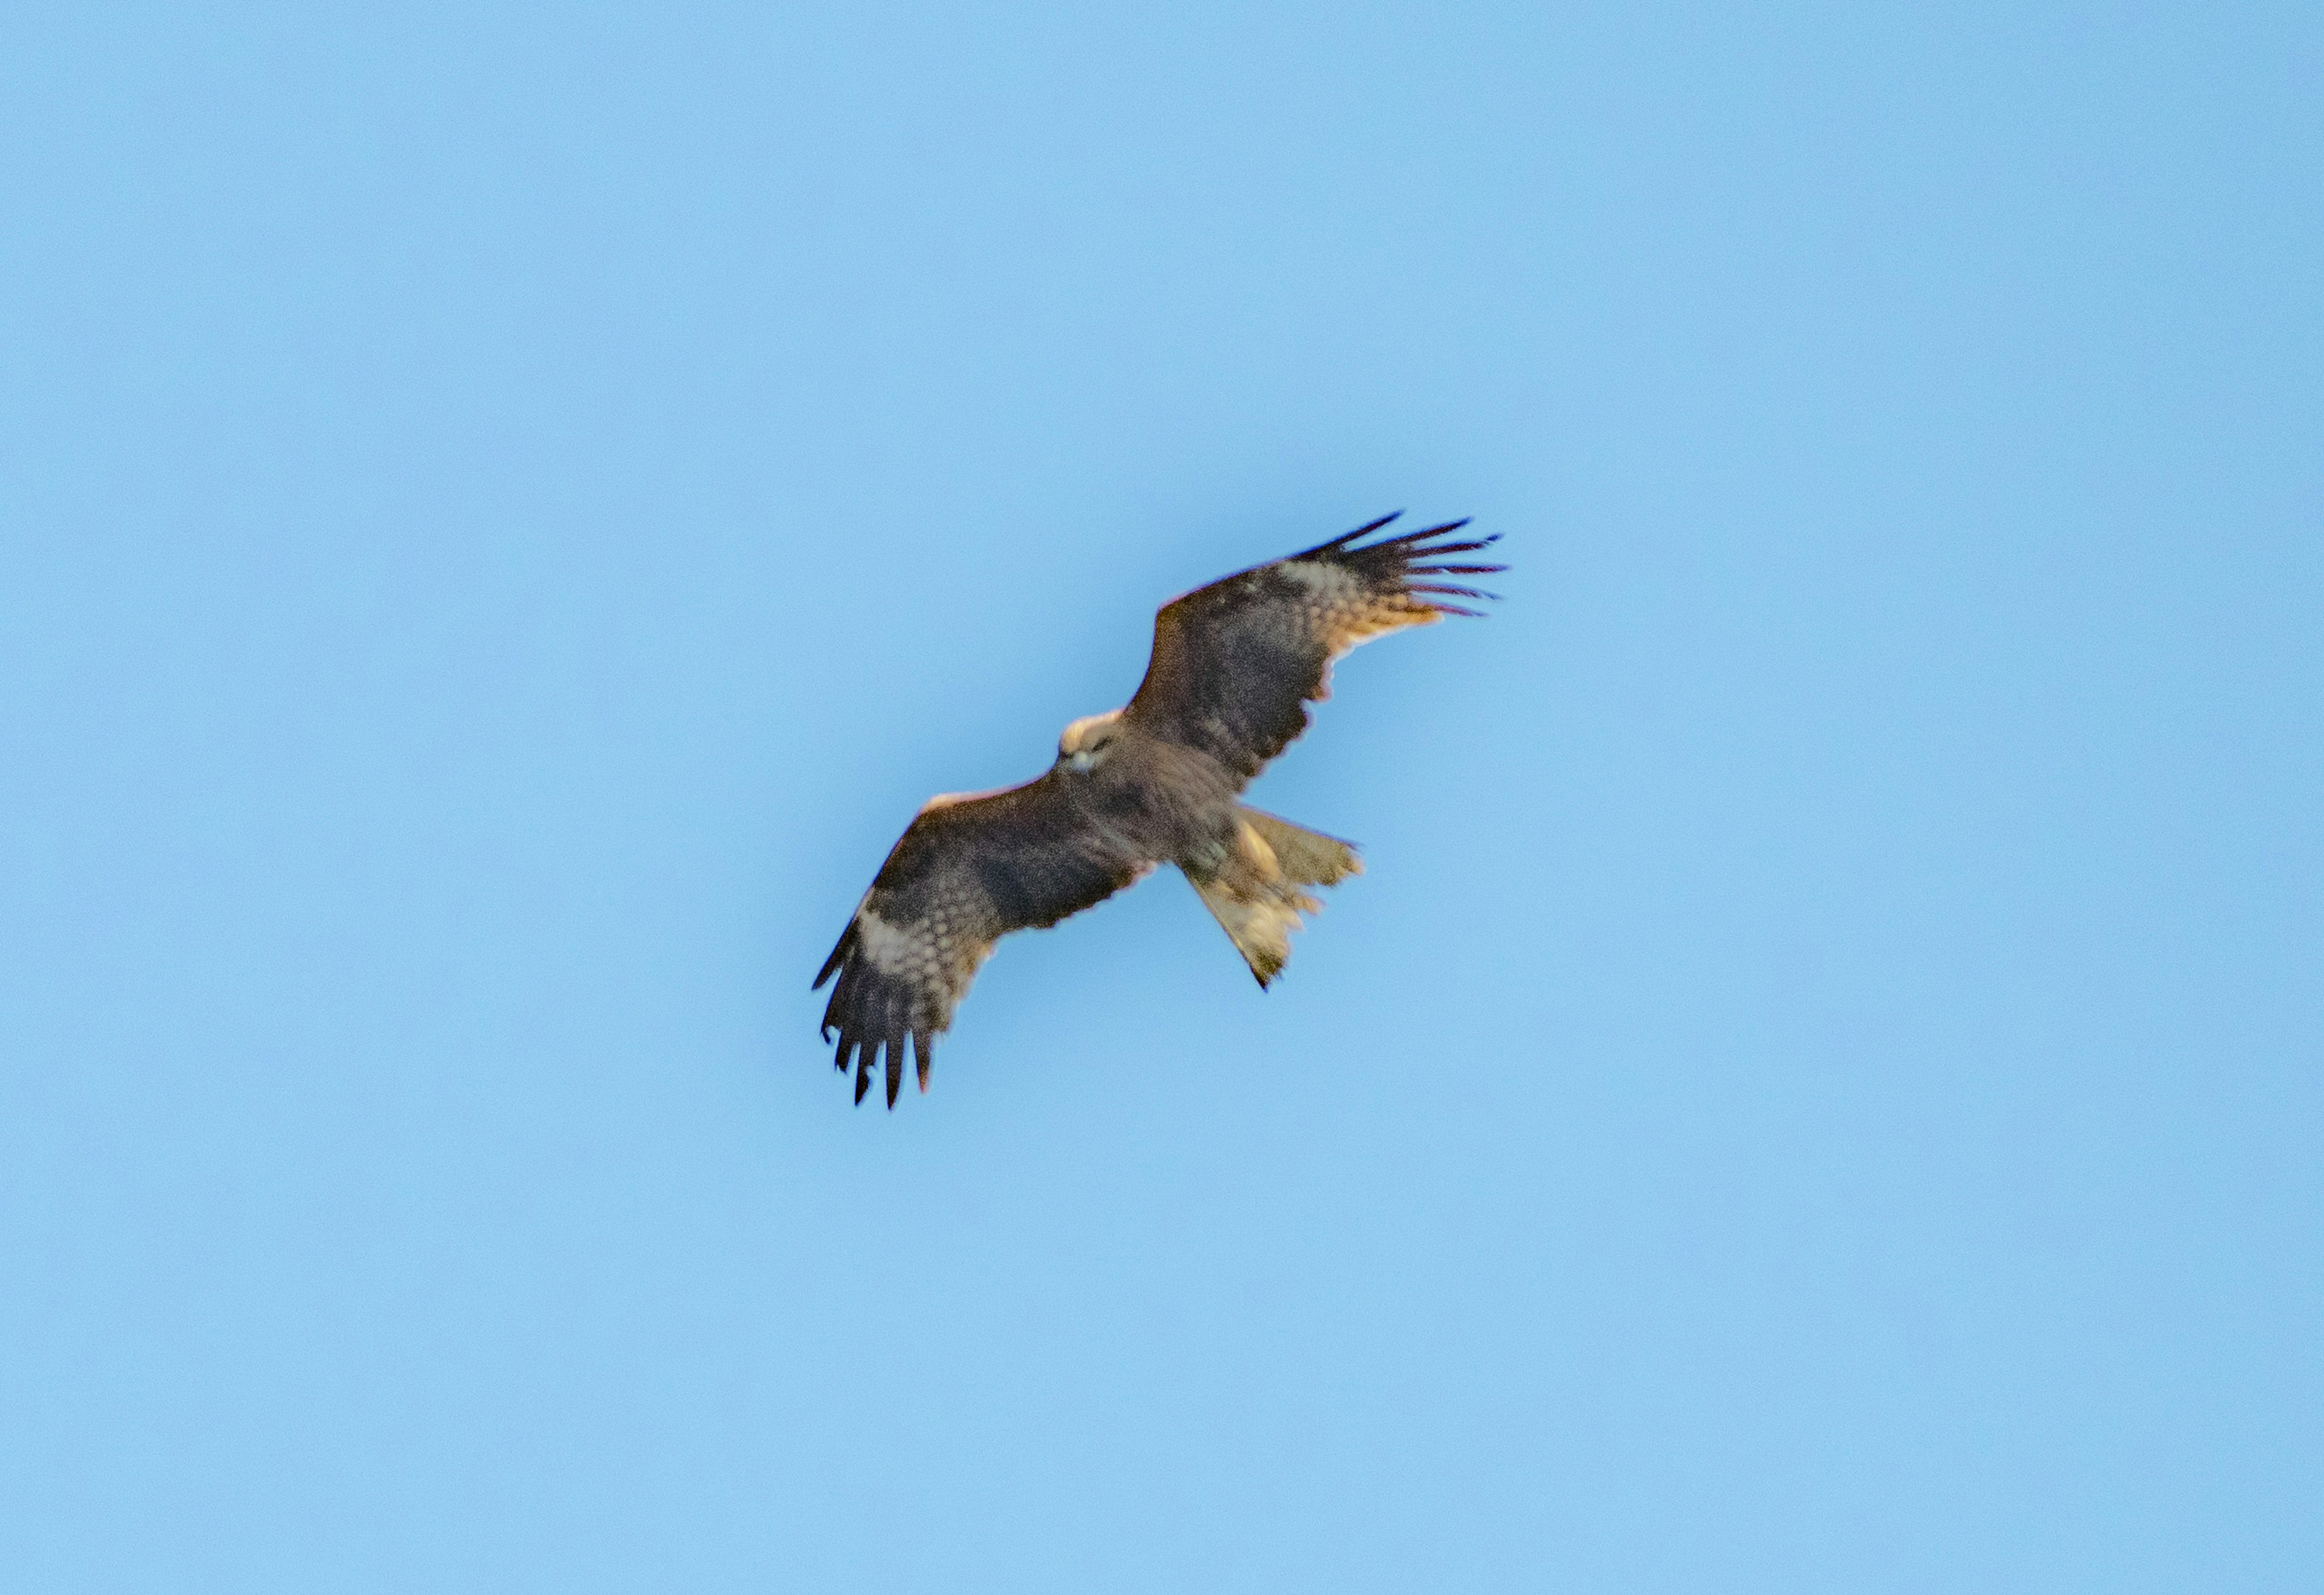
x: 1235, y: 665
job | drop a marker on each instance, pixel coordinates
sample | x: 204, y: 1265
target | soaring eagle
x: 1234, y: 666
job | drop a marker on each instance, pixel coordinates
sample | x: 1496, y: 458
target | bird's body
x: 1156, y: 781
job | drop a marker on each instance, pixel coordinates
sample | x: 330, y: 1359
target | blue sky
x: 504, y: 514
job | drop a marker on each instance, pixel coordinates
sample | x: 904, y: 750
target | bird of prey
x: 1234, y: 666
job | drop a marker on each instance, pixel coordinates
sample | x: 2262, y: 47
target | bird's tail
x: 1306, y: 857
x: 1255, y: 895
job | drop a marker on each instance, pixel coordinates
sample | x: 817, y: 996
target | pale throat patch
x: 1076, y: 737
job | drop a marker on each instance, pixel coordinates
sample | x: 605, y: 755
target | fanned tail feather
x: 1256, y: 897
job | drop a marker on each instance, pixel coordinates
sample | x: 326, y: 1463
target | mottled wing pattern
x: 1236, y: 663
x: 966, y: 873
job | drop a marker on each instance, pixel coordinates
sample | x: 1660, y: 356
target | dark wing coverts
x: 966, y: 872
x: 1236, y: 663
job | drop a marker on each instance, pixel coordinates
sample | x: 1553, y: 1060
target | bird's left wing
x: 966, y: 873
x: 1237, y: 663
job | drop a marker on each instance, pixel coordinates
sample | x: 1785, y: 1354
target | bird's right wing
x: 966, y: 872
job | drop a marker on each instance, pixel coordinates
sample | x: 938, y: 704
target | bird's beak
x: 1079, y: 763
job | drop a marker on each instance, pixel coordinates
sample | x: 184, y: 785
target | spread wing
x: 1236, y: 663
x: 966, y: 873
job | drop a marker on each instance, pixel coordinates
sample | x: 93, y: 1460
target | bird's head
x: 1087, y: 741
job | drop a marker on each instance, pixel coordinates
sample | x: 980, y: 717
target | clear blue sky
x: 504, y: 513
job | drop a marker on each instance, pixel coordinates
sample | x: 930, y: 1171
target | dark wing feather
x: 966, y: 872
x: 1236, y: 663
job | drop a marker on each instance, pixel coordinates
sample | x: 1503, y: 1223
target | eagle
x: 1234, y: 666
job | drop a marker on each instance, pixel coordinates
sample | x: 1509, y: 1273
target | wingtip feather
x: 1345, y: 538
x: 838, y: 956
x: 1449, y: 590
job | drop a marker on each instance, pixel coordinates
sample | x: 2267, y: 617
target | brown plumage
x: 1235, y: 665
